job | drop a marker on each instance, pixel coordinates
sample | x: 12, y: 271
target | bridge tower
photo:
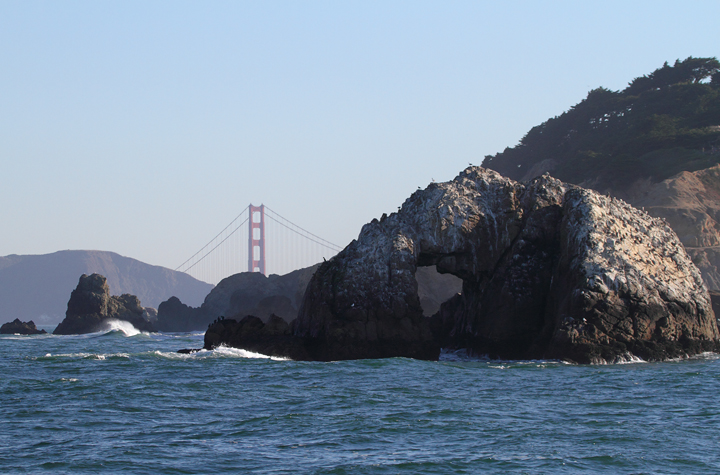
x: 256, y: 239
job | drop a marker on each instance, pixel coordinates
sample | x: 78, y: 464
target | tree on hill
x: 661, y: 124
x: 692, y: 70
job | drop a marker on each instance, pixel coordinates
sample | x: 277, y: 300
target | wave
x: 19, y: 336
x: 182, y: 334
x: 465, y: 356
x: 239, y: 353
x: 706, y: 355
x: 120, y: 326
x: 628, y: 358
x: 219, y: 352
x: 84, y: 356
x: 461, y: 355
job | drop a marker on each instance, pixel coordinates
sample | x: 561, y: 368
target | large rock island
x: 549, y: 270
x: 91, y: 306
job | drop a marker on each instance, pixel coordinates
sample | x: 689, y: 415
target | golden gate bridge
x: 257, y: 240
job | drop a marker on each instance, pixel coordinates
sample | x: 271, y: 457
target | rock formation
x: 549, y: 270
x: 689, y: 202
x: 273, y: 338
x: 36, y: 287
x: 245, y: 293
x: 251, y: 293
x: 91, y: 306
x: 23, y: 328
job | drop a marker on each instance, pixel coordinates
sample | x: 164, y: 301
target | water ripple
x: 132, y: 404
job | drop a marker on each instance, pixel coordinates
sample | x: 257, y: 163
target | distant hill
x: 38, y: 287
x: 655, y: 144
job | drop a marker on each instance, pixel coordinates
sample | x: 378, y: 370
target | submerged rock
x: 549, y: 270
x: 23, y: 328
x: 91, y: 306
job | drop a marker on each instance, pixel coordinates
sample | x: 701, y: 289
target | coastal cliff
x: 549, y: 270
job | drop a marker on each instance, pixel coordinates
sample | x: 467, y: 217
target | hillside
x: 655, y: 144
x: 38, y: 287
x: 661, y: 124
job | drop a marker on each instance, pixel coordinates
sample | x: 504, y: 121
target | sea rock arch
x: 548, y: 269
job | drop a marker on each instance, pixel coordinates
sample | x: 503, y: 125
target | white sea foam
x: 239, y: 353
x: 628, y: 358
x: 625, y: 358
x: 88, y: 356
x: 182, y: 335
x: 221, y: 351
x: 173, y: 355
x: 20, y: 336
x: 121, y: 325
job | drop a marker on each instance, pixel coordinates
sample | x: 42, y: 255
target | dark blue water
x: 116, y: 403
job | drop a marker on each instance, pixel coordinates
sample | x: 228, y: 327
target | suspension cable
x: 211, y: 241
x: 331, y: 245
x: 216, y: 246
x: 289, y: 226
x: 336, y: 248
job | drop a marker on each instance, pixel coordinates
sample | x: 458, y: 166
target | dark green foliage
x: 660, y: 124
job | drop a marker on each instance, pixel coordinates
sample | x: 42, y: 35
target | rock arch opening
x: 435, y: 288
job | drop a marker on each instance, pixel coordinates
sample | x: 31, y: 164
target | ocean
x: 123, y: 401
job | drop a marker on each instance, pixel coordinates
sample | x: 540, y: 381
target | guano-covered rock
x: 549, y: 270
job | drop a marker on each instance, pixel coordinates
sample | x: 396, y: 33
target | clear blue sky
x: 144, y: 127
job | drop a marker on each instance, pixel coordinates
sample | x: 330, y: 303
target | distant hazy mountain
x: 38, y: 287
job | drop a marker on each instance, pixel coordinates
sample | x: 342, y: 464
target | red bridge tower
x: 256, y: 239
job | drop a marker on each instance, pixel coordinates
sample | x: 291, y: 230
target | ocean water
x: 122, y: 401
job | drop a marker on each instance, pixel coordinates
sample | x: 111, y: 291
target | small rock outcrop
x: 272, y: 338
x: 22, y: 328
x: 549, y: 270
x: 91, y: 306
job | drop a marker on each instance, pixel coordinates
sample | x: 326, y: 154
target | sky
x: 145, y: 127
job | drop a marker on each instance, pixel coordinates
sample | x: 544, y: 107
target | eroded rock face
x: 91, y: 305
x: 548, y: 269
x: 690, y: 203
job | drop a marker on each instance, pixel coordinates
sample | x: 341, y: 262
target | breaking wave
x: 121, y: 326
x: 219, y: 352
